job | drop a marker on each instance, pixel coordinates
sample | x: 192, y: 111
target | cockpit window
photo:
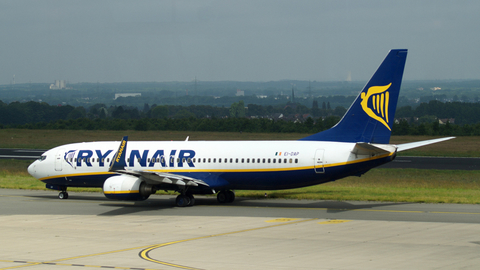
x: 42, y: 158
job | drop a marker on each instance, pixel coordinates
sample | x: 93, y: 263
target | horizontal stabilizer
x: 407, y: 146
x: 373, y: 149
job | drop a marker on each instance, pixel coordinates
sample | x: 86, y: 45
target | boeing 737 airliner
x: 135, y: 170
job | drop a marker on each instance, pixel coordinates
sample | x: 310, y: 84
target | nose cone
x: 32, y: 169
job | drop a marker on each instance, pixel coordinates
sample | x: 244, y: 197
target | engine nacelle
x: 127, y: 187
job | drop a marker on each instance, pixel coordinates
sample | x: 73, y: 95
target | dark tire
x: 222, y: 196
x: 63, y: 195
x: 182, y: 201
x: 192, y: 200
x: 230, y: 196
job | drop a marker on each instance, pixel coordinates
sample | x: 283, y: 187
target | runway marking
x: 144, y: 254
x: 55, y: 262
x: 334, y: 221
x: 27, y: 264
x: 282, y: 220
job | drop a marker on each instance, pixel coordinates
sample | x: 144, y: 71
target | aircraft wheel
x: 192, y: 199
x: 63, y: 195
x: 230, y: 196
x: 182, y: 200
x: 222, y: 196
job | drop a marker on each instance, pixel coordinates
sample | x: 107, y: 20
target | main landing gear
x: 185, y: 200
x: 225, y: 196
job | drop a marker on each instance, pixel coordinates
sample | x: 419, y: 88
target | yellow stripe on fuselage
x: 121, y: 192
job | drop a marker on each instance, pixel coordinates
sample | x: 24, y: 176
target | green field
x: 396, y: 185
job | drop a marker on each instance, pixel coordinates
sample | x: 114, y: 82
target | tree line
x: 422, y: 120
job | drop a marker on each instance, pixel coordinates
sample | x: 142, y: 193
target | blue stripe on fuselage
x: 258, y: 180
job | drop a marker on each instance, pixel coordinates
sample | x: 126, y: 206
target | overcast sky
x: 137, y: 41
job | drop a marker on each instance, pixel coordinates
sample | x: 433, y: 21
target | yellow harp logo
x: 380, y: 98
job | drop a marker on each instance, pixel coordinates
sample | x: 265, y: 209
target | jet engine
x: 127, y: 188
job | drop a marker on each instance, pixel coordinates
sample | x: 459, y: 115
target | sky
x: 145, y: 41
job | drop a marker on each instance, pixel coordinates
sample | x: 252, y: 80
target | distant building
x: 446, y: 120
x: 240, y: 93
x: 127, y: 95
x: 59, y: 84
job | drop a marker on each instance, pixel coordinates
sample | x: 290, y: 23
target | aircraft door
x: 319, y: 162
x: 59, y: 159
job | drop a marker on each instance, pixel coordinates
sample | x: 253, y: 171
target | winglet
x: 118, y: 162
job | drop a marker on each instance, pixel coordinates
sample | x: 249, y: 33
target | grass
x: 394, y: 185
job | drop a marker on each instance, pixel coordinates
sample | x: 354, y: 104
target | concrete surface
x: 38, y: 231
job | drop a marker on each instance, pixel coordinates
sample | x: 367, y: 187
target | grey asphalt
x: 13, y: 153
x: 437, y: 163
x: 39, y: 231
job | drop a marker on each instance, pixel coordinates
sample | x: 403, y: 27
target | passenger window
x: 296, y: 160
x: 243, y: 160
x: 253, y: 160
x: 236, y: 160
x: 285, y: 161
x: 290, y: 160
x: 183, y: 160
x: 189, y: 160
x: 263, y: 160
x: 208, y: 160
x: 268, y: 160
x: 226, y: 160
x: 231, y: 160
x: 274, y: 160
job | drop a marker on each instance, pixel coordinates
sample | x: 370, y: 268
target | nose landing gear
x: 63, y: 195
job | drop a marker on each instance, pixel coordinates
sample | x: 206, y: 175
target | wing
x: 118, y: 165
x: 156, y: 178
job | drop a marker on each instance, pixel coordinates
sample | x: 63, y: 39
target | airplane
x: 133, y: 170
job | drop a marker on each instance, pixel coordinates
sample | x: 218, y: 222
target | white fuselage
x: 233, y: 164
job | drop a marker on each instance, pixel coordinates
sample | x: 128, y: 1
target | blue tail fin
x: 370, y: 118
